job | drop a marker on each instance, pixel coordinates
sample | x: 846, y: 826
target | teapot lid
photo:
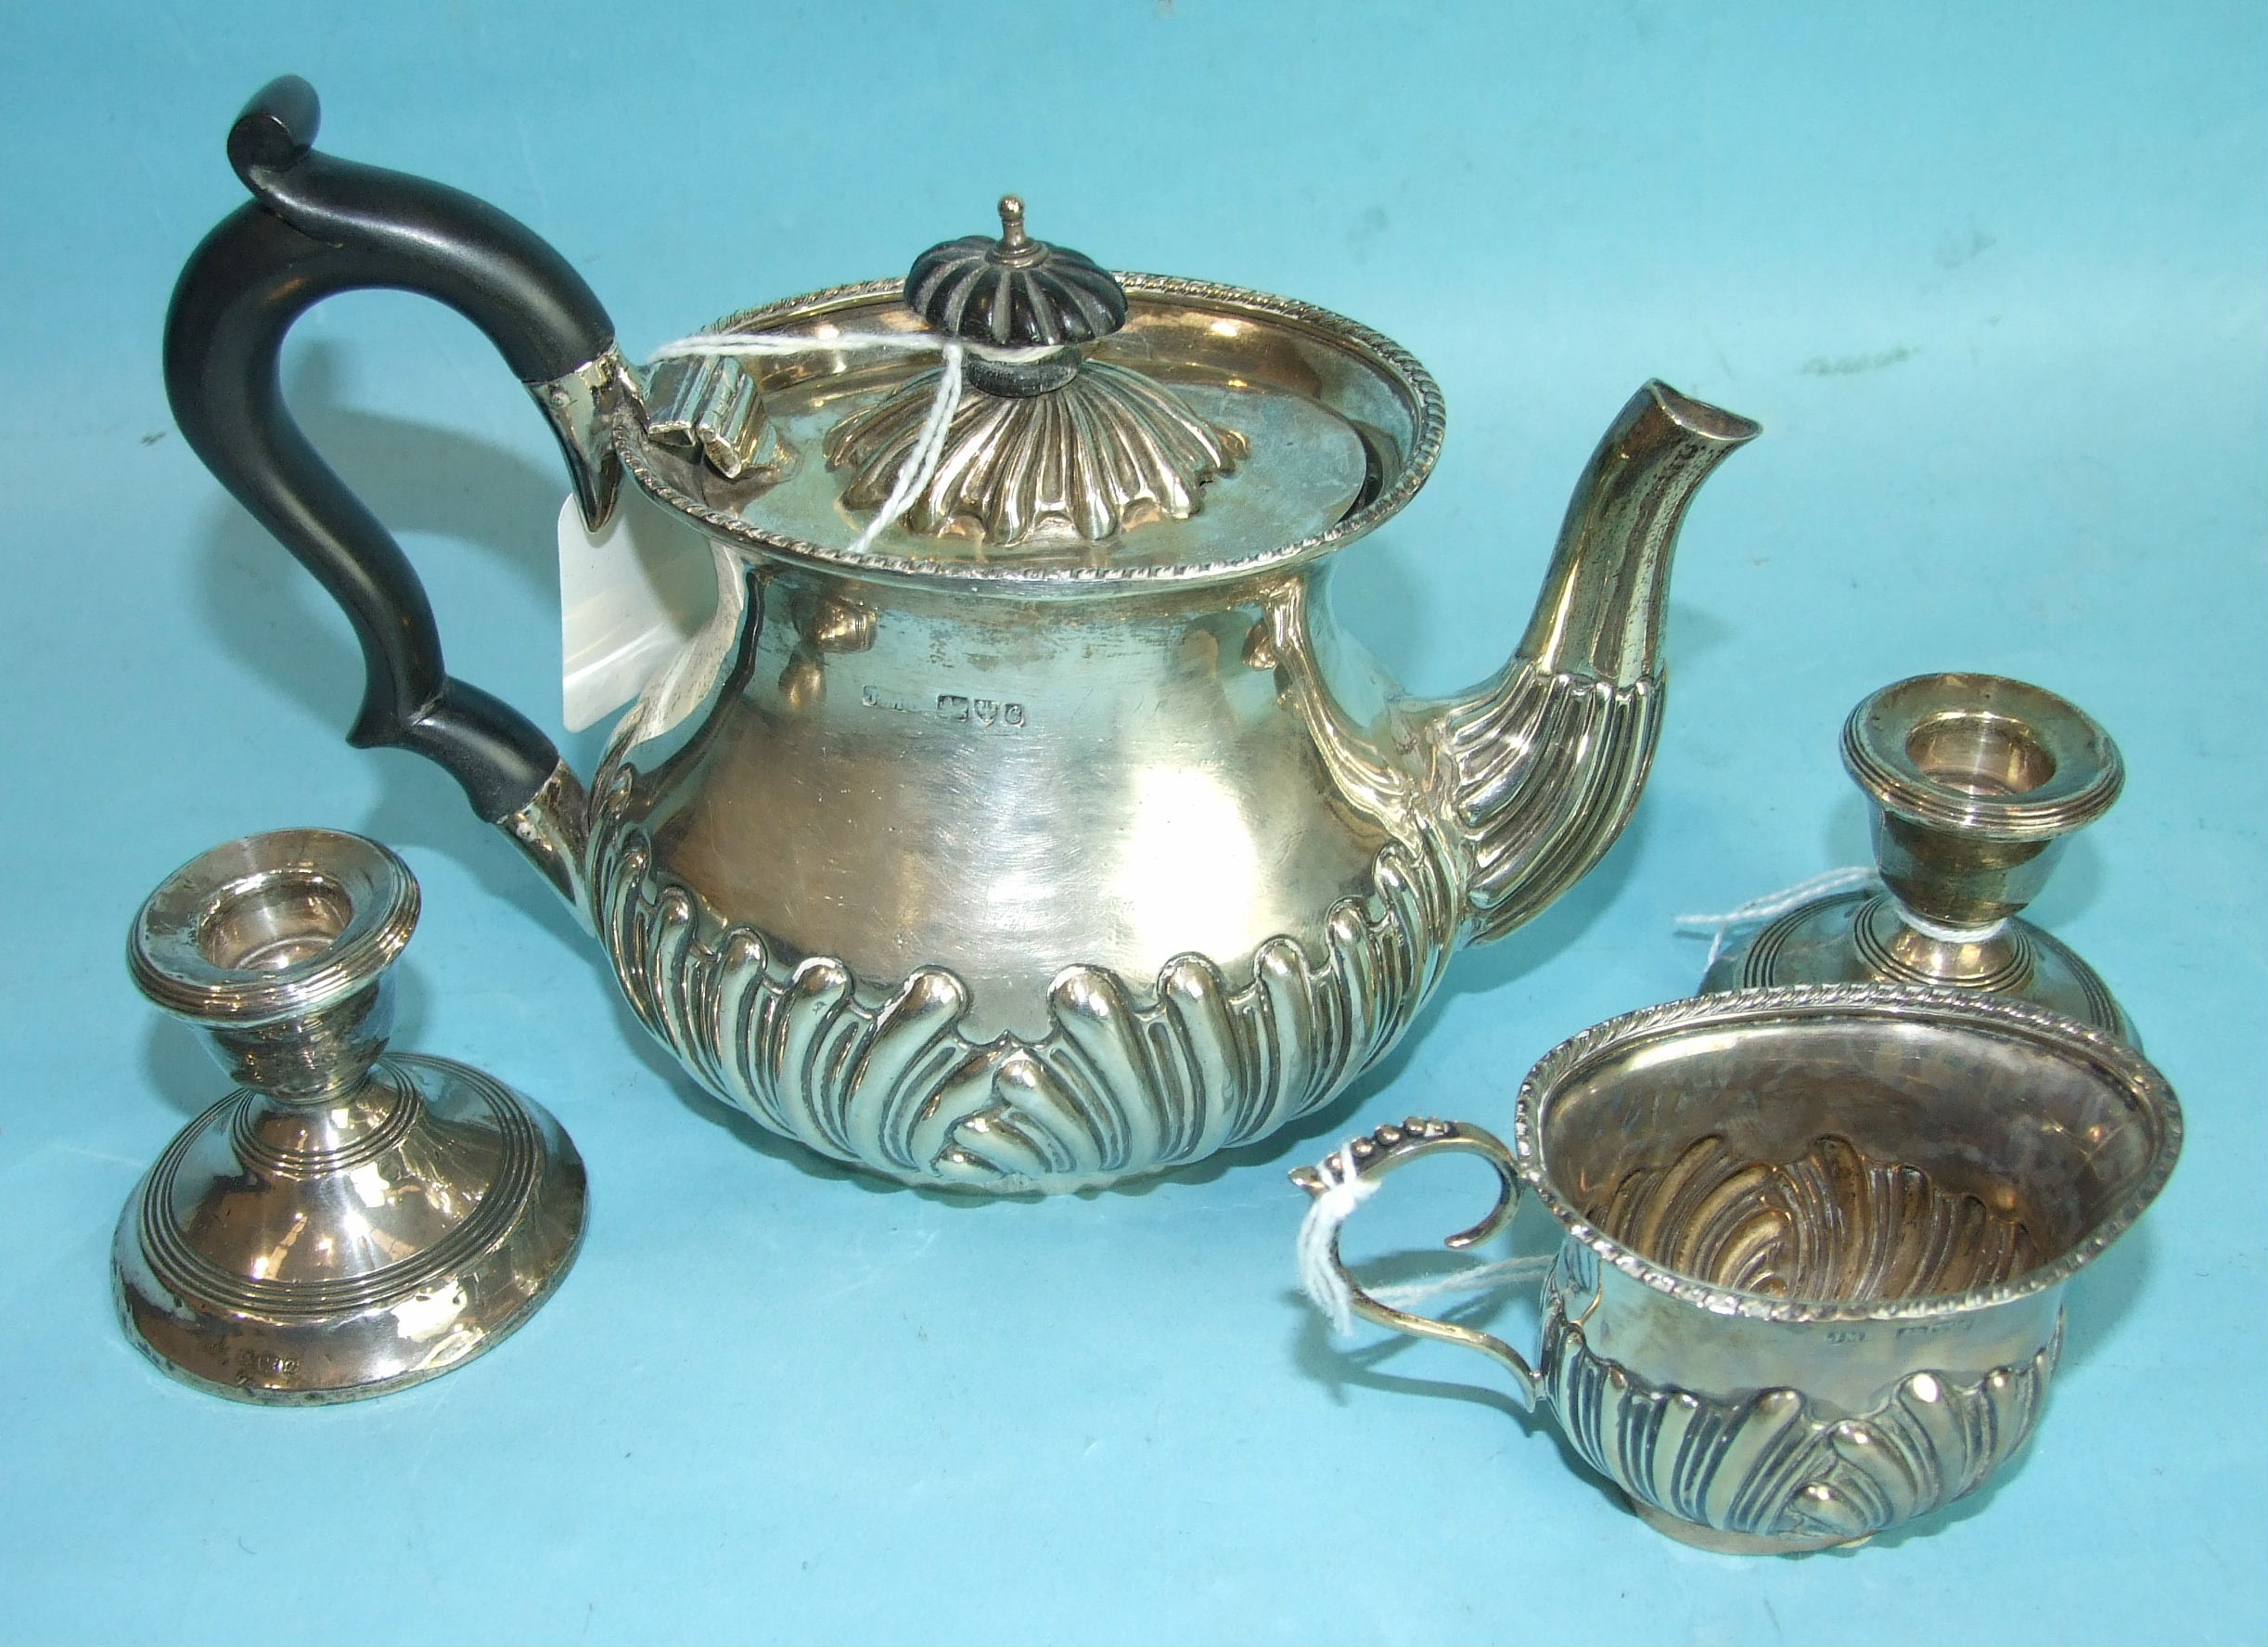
x: 1013, y: 412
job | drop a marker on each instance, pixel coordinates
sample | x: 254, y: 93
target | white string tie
x: 920, y: 466
x: 1326, y: 1286
x: 1772, y: 905
x: 704, y: 343
x: 1473, y: 1277
x: 1344, y: 1190
x: 928, y: 449
x: 1948, y: 935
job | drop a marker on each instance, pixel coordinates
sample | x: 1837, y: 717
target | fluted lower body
x: 1132, y: 1075
x: 1774, y: 1469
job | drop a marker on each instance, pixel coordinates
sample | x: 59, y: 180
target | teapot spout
x: 1601, y: 610
x: 1544, y: 761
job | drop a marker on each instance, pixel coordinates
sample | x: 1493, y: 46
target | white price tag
x: 632, y: 600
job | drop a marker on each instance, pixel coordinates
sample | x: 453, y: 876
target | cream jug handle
x: 1365, y: 1160
x: 317, y: 225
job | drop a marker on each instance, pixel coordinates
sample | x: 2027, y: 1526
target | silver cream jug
x: 1053, y: 832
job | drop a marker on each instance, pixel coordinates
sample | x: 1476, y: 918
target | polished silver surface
x: 1037, y: 864
x: 1816, y: 1241
x: 350, y: 1220
x: 1045, y: 880
x: 1977, y: 782
x: 1295, y: 381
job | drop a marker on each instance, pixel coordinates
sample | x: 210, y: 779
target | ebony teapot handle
x: 318, y: 225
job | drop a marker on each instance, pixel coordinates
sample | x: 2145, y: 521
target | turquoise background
x: 1991, y: 277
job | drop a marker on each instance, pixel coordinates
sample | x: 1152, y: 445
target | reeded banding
x: 496, y: 1209
x: 2077, y: 775
x: 166, y: 951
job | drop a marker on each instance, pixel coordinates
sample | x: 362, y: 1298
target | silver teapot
x: 1022, y: 819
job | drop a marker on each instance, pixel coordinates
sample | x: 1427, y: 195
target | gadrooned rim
x: 1382, y: 351
x: 1572, y: 1057
x: 1885, y: 773
x: 168, y: 966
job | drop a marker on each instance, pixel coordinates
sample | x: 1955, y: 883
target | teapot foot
x: 1719, y: 1542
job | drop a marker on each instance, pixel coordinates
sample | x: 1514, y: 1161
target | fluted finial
x: 1048, y: 445
x: 1013, y: 292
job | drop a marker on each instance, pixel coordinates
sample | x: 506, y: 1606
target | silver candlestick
x: 350, y: 1220
x: 1977, y: 781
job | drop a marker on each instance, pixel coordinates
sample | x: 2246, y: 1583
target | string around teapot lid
x: 1013, y: 319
